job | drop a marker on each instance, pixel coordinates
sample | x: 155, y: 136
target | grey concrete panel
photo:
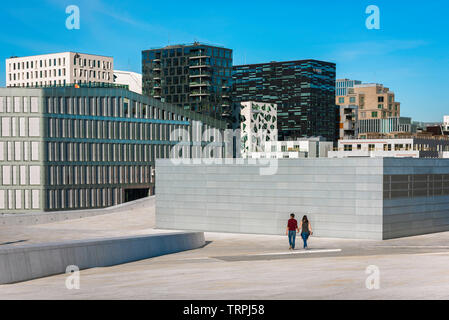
x: 343, y: 197
x: 23, y: 263
x: 347, y: 195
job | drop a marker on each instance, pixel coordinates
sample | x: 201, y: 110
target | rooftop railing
x: 78, y: 85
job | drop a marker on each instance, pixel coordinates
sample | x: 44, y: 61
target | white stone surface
x: 131, y: 79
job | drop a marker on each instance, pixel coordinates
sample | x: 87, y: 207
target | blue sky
x: 409, y: 54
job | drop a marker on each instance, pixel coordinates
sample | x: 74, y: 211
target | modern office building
x: 314, y: 147
x: 258, y: 125
x: 407, y: 147
x: 71, y: 148
x: 194, y: 77
x: 347, y: 121
x: 58, y: 69
x: 131, y: 79
x: 304, y: 92
x: 374, y: 101
x: 342, y: 86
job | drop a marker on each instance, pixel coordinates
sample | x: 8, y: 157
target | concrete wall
x: 35, y: 261
x: 342, y: 197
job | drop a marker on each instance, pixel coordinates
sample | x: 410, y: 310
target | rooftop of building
x: 76, y: 85
x: 346, y: 79
x: 127, y: 72
x: 58, y: 53
x: 283, y: 62
x: 366, y: 85
x: 316, y: 139
x: 395, y: 136
x: 182, y: 45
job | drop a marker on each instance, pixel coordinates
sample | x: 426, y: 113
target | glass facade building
x: 195, y: 77
x: 304, y: 92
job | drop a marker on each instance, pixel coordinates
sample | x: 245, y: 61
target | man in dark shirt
x: 292, y: 228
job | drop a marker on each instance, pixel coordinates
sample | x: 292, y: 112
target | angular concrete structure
x: 369, y: 198
x: 22, y: 263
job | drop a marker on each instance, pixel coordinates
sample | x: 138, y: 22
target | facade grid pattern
x: 67, y: 148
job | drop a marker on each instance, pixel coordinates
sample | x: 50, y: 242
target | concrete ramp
x: 22, y: 263
x: 26, y: 219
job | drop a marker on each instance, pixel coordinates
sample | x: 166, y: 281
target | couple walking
x: 292, y: 227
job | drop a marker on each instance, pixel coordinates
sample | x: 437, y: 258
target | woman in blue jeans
x: 306, y: 230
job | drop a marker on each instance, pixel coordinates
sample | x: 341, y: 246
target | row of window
x: 99, y: 129
x: 396, y: 147
x: 20, y: 199
x: 380, y: 99
x: 83, y: 198
x: 97, y: 175
x: 415, y: 185
x: 34, y: 64
x: 39, y: 83
x: 82, y: 62
x: 184, y: 61
x: 19, y: 104
x: 178, y: 52
x: 375, y: 114
x: 43, y: 74
x: 20, y: 127
x: 105, y: 152
x: 21, y: 175
x: 107, y: 107
x: 390, y: 106
x: 19, y: 151
x: 92, y: 74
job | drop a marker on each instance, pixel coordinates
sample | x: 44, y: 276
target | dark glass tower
x: 304, y: 92
x: 196, y: 77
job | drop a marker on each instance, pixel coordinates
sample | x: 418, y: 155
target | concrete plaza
x: 237, y: 266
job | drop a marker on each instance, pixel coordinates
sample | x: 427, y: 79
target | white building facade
x: 315, y: 147
x: 446, y: 123
x: 394, y: 148
x: 132, y: 79
x: 258, y: 125
x: 58, y: 69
